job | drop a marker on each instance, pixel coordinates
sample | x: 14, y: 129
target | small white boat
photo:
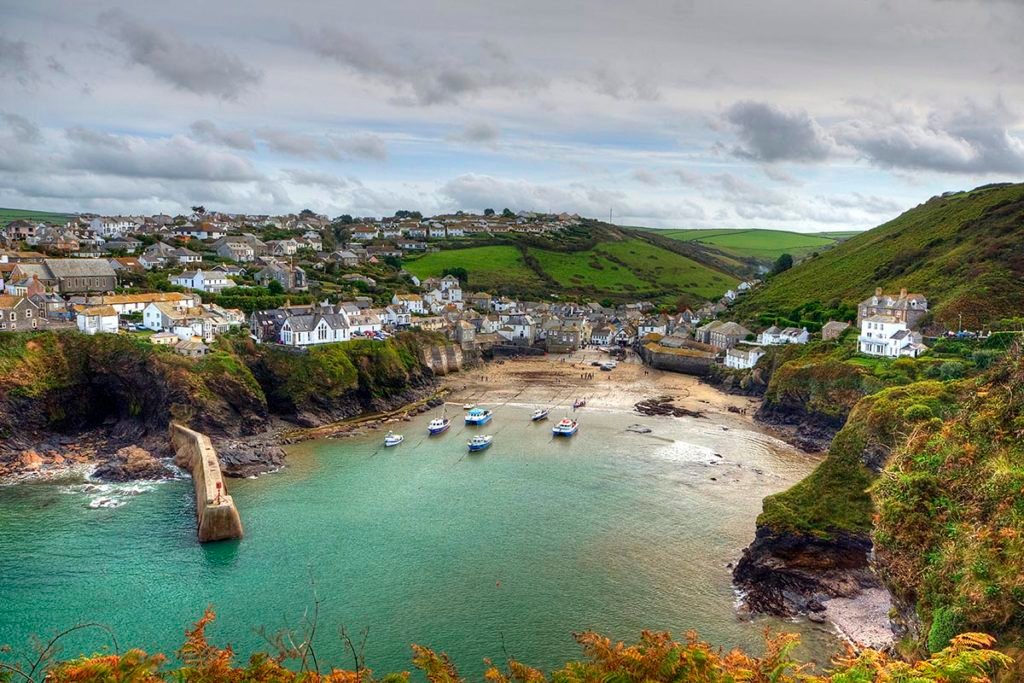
x: 479, y: 442
x: 565, y: 427
x: 439, y: 425
x: 540, y: 414
x: 479, y: 416
x: 468, y: 406
x: 392, y: 439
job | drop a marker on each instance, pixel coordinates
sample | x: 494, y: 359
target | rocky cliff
x: 70, y: 396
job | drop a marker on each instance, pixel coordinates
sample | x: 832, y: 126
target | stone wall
x: 443, y: 359
x: 217, y: 516
x: 697, y: 364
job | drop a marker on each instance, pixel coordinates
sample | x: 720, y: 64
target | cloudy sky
x: 805, y: 115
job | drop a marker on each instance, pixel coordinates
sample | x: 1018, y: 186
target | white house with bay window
x: 886, y: 336
x: 317, y: 328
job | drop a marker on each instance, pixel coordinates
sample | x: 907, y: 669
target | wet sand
x: 557, y: 380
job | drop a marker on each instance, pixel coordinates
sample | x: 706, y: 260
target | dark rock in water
x: 130, y: 463
x: 663, y: 406
x: 249, y: 457
x: 638, y: 429
x: 786, y: 574
x: 816, y: 617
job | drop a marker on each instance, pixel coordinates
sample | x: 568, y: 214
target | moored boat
x: 468, y: 406
x: 565, y: 427
x: 392, y: 439
x: 579, y: 403
x: 479, y: 416
x: 479, y: 442
x: 540, y: 414
x: 439, y: 425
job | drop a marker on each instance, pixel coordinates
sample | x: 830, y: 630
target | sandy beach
x: 560, y: 379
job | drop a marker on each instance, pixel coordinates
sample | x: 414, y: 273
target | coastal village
x: 167, y: 278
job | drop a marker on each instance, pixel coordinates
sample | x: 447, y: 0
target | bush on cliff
x: 834, y: 498
x: 950, y: 528
x: 656, y: 658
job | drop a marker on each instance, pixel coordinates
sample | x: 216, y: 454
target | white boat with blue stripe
x: 479, y: 416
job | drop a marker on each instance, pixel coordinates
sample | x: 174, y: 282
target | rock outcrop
x: 131, y: 463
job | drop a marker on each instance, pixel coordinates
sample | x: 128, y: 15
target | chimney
x: 878, y: 291
x: 903, y: 293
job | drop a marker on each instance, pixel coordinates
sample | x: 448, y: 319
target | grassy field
x: 765, y: 245
x: 621, y: 268
x: 961, y: 251
x: 489, y: 268
x: 8, y: 215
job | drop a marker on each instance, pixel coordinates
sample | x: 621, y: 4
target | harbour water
x: 509, y: 550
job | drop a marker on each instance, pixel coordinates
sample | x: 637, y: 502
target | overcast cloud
x: 701, y: 113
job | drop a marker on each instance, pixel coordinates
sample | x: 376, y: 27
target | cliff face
x: 814, y: 540
x: 111, y: 391
x: 67, y: 383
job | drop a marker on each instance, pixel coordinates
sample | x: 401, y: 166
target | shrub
x: 918, y: 412
x: 944, y: 626
x: 951, y: 370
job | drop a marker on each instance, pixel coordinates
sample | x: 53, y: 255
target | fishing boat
x: 565, y: 427
x: 392, y: 439
x: 479, y: 416
x: 439, y: 425
x: 469, y: 406
x: 579, y: 403
x: 540, y: 414
x: 479, y: 442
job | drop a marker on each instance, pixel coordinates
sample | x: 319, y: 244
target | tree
x: 507, y: 213
x: 782, y: 264
x: 274, y: 287
x: 344, y: 219
x: 488, y: 212
x: 199, y: 210
x: 456, y: 271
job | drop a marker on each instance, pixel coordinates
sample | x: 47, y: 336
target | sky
x: 804, y: 115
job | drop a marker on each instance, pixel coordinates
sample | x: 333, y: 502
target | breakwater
x: 217, y: 517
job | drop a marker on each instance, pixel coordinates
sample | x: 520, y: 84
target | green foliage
x: 917, y: 413
x: 961, y: 251
x: 275, y: 288
x: 782, y: 264
x: 950, y: 526
x: 951, y: 370
x: 945, y: 626
x: 458, y: 272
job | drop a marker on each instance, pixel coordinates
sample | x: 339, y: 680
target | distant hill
x: 963, y: 251
x: 8, y: 215
x: 596, y: 261
x: 762, y: 245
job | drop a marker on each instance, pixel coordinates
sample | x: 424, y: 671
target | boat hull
x: 477, y: 449
x: 434, y: 431
x: 478, y: 420
x: 538, y: 418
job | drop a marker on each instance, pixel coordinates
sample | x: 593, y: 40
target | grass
x: 960, y: 251
x: 490, y: 268
x: 616, y: 268
x: 8, y: 215
x: 763, y: 245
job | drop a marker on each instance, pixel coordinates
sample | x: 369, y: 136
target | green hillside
x: 962, y: 251
x: 8, y: 215
x: 763, y: 245
x: 489, y: 268
x: 596, y: 262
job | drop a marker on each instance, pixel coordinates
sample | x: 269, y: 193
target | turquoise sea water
x: 509, y: 550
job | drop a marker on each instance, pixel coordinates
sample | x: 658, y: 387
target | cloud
x: 420, y: 78
x: 208, y: 132
x: 770, y: 134
x: 298, y: 176
x: 971, y: 139
x: 327, y: 146
x: 610, y: 82
x: 21, y: 129
x: 645, y: 176
x: 177, y: 157
x: 15, y: 61
x: 476, y: 192
x: 480, y: 132
x: 197, y: 68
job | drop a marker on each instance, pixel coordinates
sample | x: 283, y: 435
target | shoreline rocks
x: 131, y: 463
